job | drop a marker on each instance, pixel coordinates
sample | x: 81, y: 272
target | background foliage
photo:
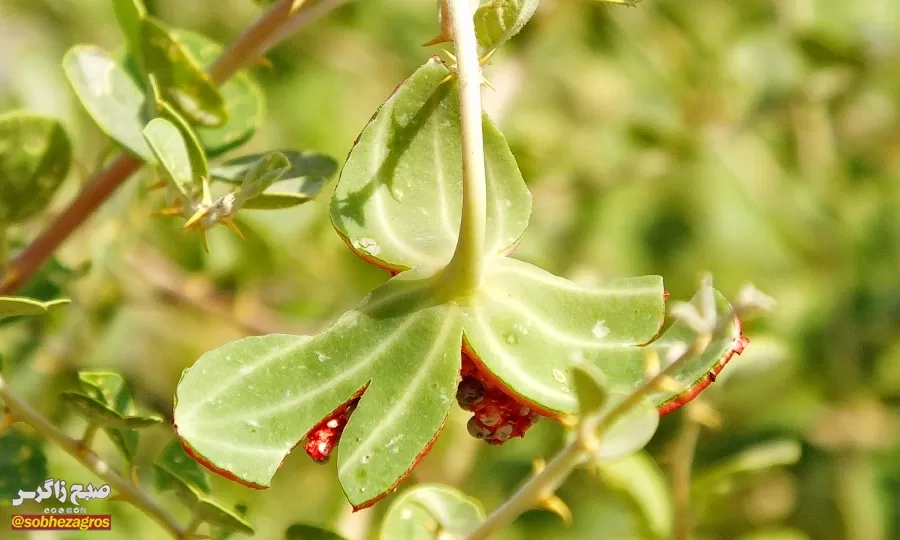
x: 757, y: 140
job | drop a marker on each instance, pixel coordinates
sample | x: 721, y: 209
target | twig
x: 167, y: 278
x: 558, y: 469
x: 90, y: 460
x: 307, y: 14
x: 245, y: 50
x: 250, y: 46
x: 465, y: 268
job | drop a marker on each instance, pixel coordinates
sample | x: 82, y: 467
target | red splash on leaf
x: 324, y: 437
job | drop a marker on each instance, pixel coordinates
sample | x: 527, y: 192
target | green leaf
x: 590, y: 387
x: 399, y: 197
x: 312, y: 168
x: 629, y: 433
x: 129, y: 14
x: 755, y: 459
x: 265, y: 172
x: 23, y: 464
x: 125, y: 441
x: 107, y: 402
x: 35, y: 154
x: 698, y: 372
x: 431, y: 512
x: 640, y: 478
x: 92, y: 410
x: 175, y: 468
x: 301, y: 531
x: 181, y: 78
x: 498, y: 20
x: 195, y: 150
x: 276, y: 200
x: 528, y: 327
x: 167, y: 143
x: 399, y: 346
x: 215, y: 513
x: 109, y: 95
x: 14, y: 306
x: 242, y: 96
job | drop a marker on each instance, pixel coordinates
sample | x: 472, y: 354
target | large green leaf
x: 498, y: 20
x: 242, y: 96
x: 398, y: 353
x: 181, y: 78
x: 399, y: 196
x: 109, y: 95
x: 35, y: 153
x: 23, y: 464
x: 14, y: 306
x: 528, y: 326
x: 399, y: 346
x: 431, y: 512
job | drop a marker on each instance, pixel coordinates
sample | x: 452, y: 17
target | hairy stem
x: 465, y: 268
x: 558, y: 469
x: 21, y: 411
x: 246, y: 49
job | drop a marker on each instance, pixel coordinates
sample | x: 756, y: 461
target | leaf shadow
x: 399, y: 137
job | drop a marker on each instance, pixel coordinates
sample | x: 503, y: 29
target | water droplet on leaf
x: 600, y: 330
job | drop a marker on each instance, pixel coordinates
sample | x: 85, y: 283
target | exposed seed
x: 503, y: 433
x: 491, y: 418
x: 469, y: 392
x: 476, y: 430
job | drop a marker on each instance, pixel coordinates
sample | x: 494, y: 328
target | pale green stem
x: 22, y: 412
x: 465, y: 269
x: 592, y: 427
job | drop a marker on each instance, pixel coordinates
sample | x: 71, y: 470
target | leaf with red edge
x: 379, y: 382
x: 397, y: 202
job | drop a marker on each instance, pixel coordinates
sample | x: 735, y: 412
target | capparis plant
x: 432, y: 194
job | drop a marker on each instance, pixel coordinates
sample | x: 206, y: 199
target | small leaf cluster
x: 178, y: 472
x: 161, y: 105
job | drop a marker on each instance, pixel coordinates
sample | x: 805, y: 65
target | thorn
x: 7, y: 421
x: 450, y: 54
x: 228, y: 222
x: 262, y: 61
x: 158, y: 184
x: 171, y: 211
x: 205, y: 241
x: 556, y: 505
x: 487, y: 83
x: 436, y: 40
x: 194, y: 220
x: 537, y: 465
x: 484, y: 59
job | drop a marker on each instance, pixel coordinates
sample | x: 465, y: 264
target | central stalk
x: 463, y: 273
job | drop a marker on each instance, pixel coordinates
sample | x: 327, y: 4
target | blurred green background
x: 756, y: 140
